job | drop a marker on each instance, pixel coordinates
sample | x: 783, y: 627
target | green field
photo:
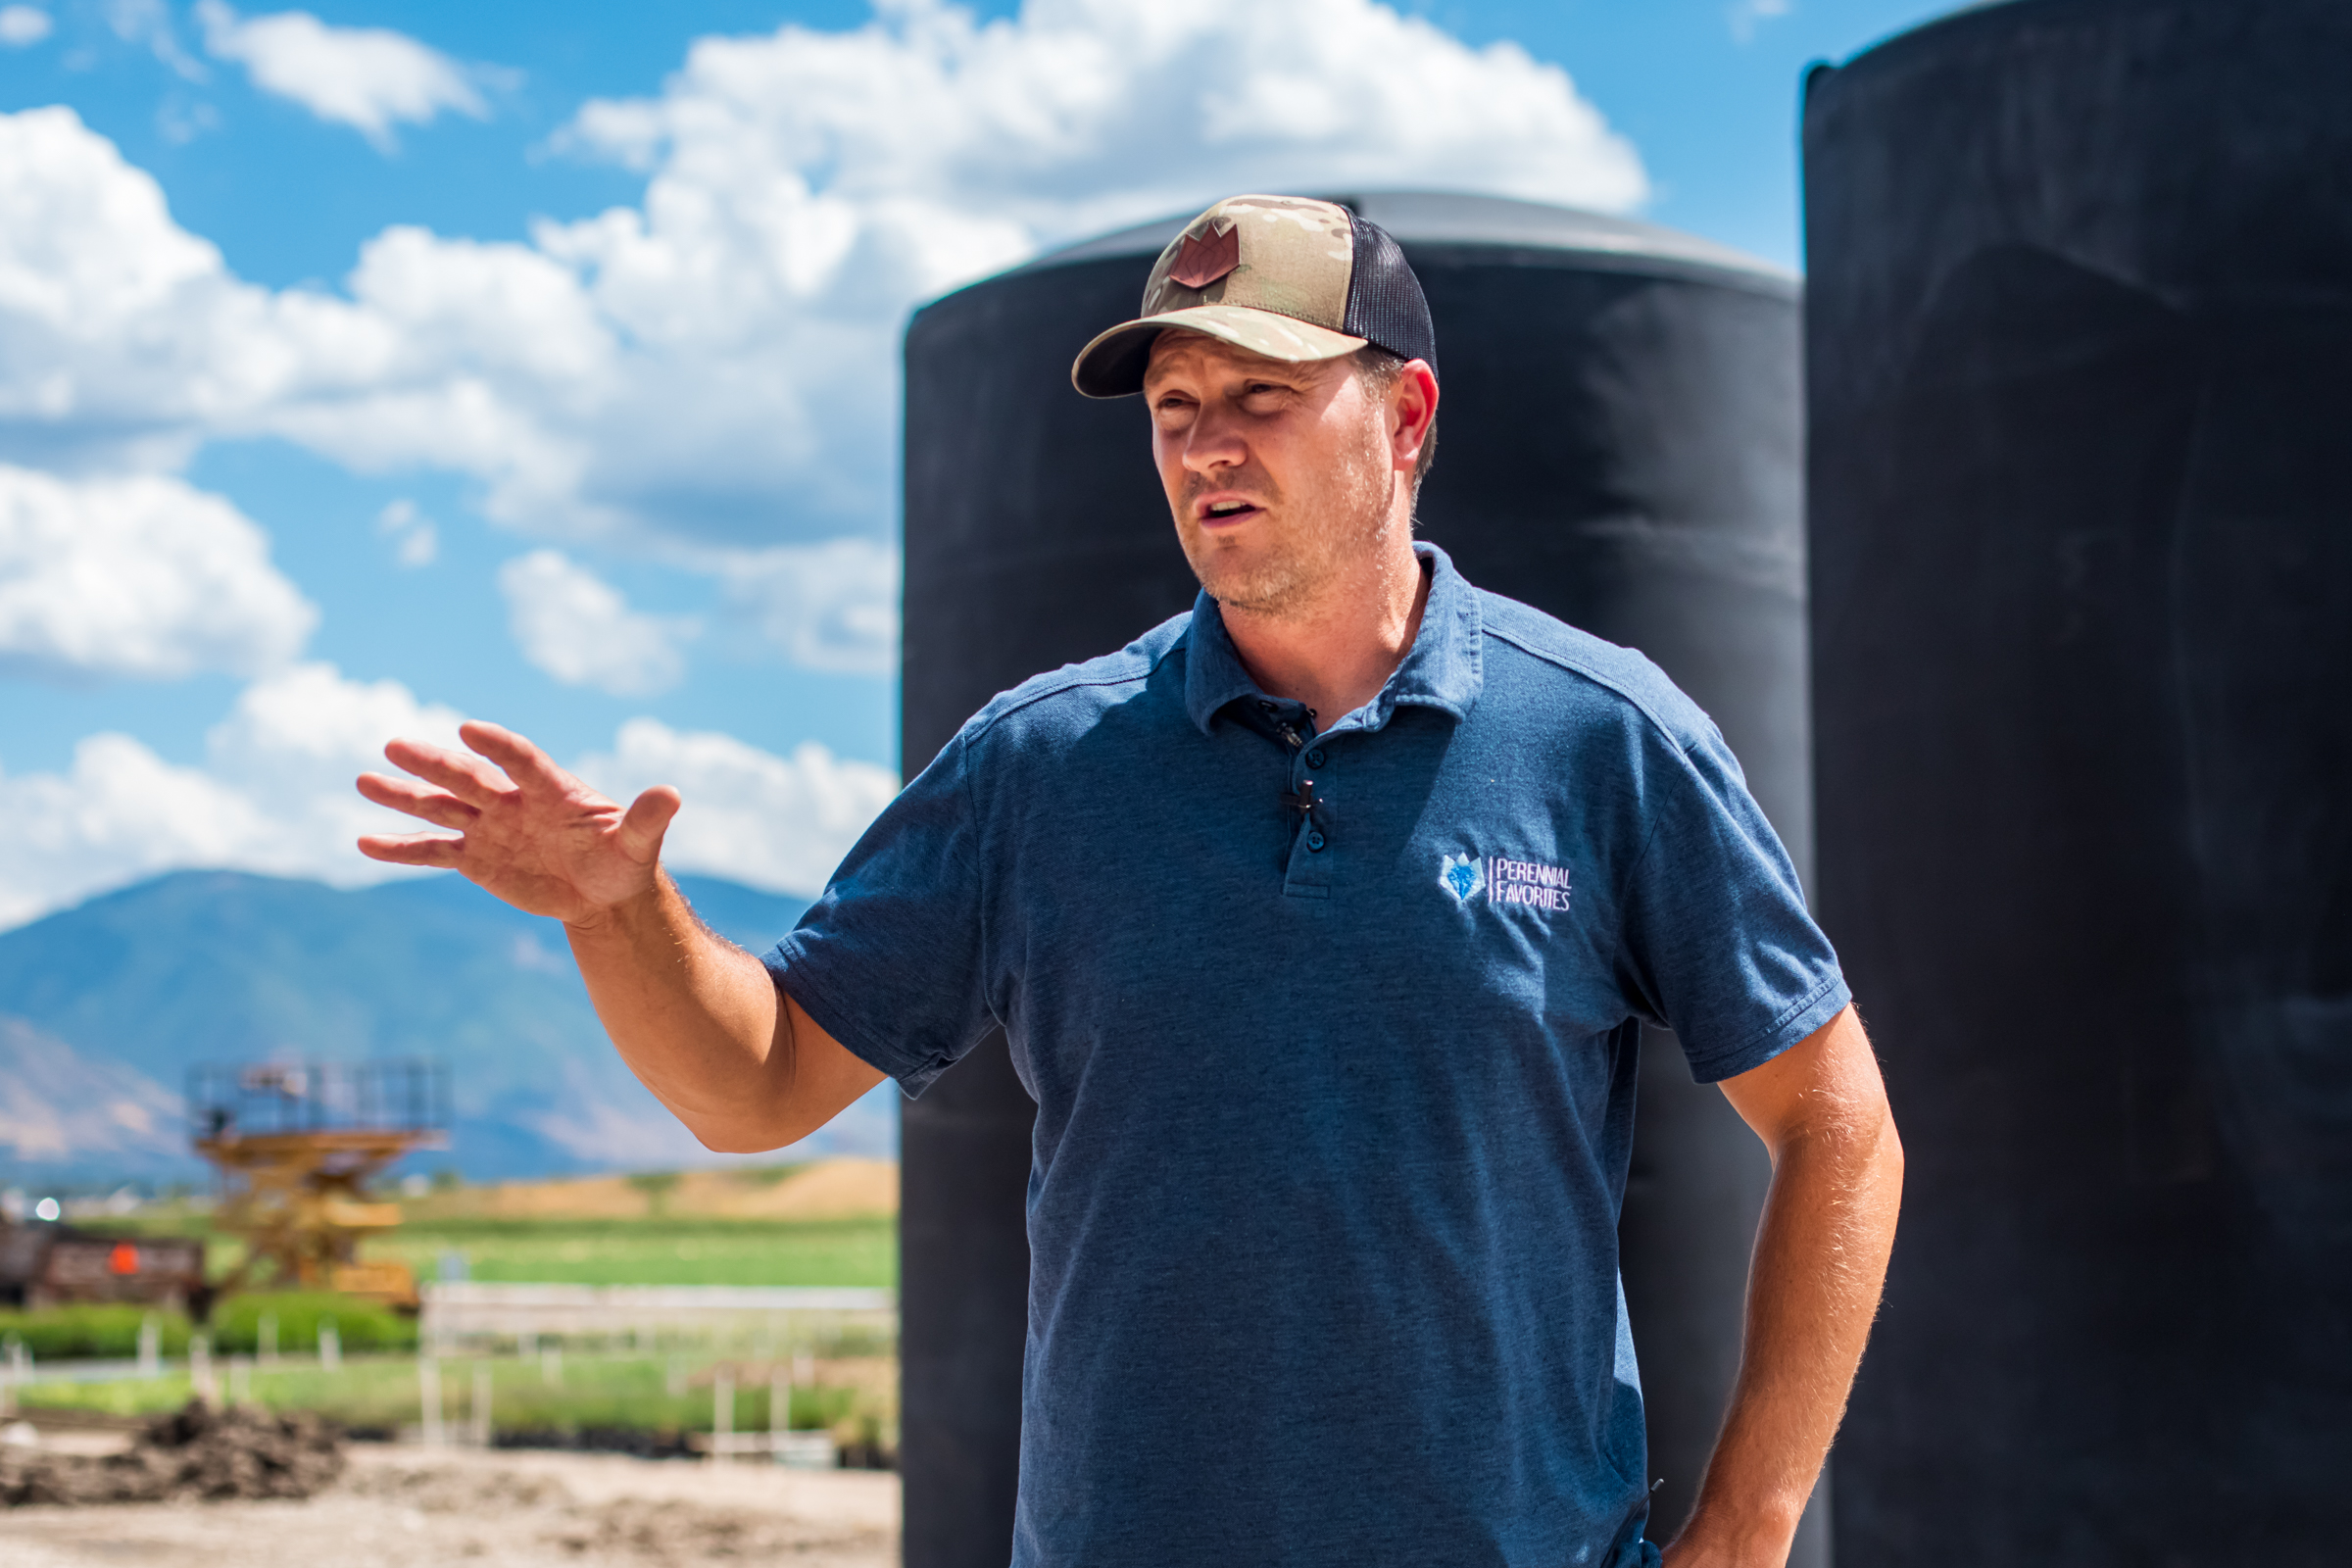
x: 849, y: 1251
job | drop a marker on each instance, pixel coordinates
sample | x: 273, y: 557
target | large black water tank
x: 1620, y: 445
x: 2081, y: 368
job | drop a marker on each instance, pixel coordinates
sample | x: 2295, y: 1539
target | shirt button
x: 1315, y: 840
x: 1315, y: 758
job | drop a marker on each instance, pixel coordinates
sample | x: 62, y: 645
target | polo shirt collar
x: 1443, y: 668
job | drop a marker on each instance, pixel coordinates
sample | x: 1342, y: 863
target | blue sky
x: 493, y: 360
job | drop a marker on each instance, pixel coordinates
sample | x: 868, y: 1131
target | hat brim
x: 1113, y: 366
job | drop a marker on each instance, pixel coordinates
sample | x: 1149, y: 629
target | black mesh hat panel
x: 1385, y: 304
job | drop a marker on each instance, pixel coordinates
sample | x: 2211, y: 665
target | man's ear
x: 1412, y: 410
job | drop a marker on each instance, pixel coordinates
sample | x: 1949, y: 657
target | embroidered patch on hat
x: 1202, y: 261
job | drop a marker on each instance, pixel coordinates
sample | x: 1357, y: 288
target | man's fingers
x: 412, y: 849
x: 469, y: 780
x: 648, y: 818
x: 527, y: 764
x: 437, y: 806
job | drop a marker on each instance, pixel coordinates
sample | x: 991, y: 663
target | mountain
x: 60, y: 1110
x: 120, y: 995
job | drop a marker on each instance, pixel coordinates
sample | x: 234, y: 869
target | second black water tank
x: 2081, y: 365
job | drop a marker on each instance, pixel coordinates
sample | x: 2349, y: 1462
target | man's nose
x: 1214, y: 441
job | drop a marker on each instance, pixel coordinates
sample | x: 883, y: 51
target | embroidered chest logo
x: 1502, y: 880
x: 1462, y: 876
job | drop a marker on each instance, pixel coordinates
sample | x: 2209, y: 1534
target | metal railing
x: 258, y: 1098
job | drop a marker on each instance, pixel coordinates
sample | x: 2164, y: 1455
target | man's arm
x: 696, y: 1017
x: 1813, y: 1288
x: 702, y: 1024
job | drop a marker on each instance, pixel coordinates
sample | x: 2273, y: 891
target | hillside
x: 56, y: 1108
x: 112, y: 1002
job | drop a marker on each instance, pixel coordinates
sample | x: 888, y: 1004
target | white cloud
x: 416, y: 542
x: 832, y: 607
x: 149, y: 22
x: 124, y: 340
x: 291, y: 747
x: 775, y: 822
x: 274, y: 795
x: 181, y: 120
x: 120, y: 813
x: 138, y: 576
x: 370, y: 78
x: 1745, y: 16
x: 576, y: 627
x: 22, y: 27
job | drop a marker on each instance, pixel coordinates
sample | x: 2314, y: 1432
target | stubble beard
x: 1324, y: 537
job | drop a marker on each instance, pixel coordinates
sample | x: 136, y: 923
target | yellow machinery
x: 296, y: 1144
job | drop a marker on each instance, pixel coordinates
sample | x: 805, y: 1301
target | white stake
x: 200, y: 1370
x: 722, y: 1413
x: 331, y: 1345
x: 151, y: 1346
x: 428, y: 1399
x: 481, y: 1404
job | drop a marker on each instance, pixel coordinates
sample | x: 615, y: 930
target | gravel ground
x: 417, y: 1508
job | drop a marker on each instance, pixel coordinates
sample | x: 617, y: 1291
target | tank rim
x: 1969, y: 15
x: 1451, y: 223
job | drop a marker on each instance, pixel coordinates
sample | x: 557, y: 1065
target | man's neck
x: 1337, y: 650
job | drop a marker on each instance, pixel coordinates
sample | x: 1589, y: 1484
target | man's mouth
x: 1227, y: 511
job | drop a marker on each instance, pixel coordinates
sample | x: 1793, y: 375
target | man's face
x: 1278, y: 475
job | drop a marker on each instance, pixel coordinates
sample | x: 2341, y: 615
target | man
x: 1321, y: 922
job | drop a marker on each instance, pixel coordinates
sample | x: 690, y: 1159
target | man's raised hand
x: 527, y: 831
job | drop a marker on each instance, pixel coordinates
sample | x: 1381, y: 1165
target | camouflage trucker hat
x: 1280, y: 276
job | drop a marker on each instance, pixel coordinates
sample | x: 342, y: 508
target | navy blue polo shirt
x: 1335, y: 1085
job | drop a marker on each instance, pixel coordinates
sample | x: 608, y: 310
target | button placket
x: 1310, y: 772
x: 1291, y: 727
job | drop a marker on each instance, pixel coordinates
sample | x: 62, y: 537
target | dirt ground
x: 417, y: 1508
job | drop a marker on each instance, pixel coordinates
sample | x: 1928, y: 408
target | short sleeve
x: 889, y: 960
x: 1718, y: 944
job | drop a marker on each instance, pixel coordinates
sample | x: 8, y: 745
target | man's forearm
x: 1813, y: 1290
x: 694, y: 1017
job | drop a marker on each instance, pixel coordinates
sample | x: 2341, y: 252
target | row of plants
x: 243, y: 1324
x: 612, y: 1251
x: 661, y: 1396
